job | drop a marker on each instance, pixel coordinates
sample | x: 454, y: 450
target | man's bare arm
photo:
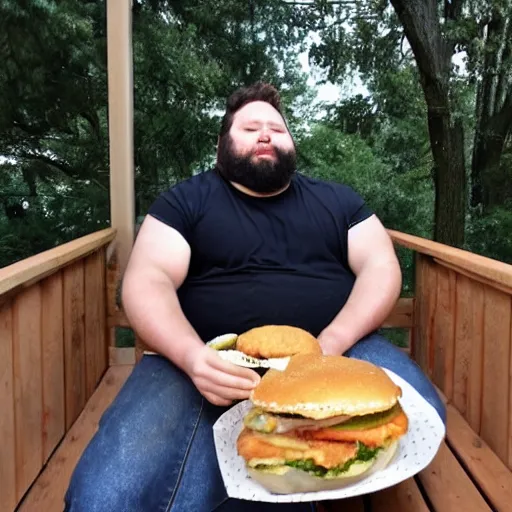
x: 157, y: 267
x: 377, y: 287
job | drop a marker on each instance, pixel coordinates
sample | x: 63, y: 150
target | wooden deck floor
x: 47, y: 493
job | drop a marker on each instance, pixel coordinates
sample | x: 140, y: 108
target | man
x: 248, y: 243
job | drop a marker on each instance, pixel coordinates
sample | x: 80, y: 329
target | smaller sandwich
x: 322, y: 423
x: 266, y: 346
x: 270, y: 341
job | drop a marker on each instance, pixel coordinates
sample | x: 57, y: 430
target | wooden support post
x: 120, y: 107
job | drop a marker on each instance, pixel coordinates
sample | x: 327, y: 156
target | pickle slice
x: 370, y: 420
x: 223, y: 342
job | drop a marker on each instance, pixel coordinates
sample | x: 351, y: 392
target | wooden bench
x: 465, y: 475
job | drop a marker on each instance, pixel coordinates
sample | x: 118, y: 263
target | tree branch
x: 502, y: 66
x: 37, y: 131
x: 453, y: 9
x: 62, y: 166
x: 490, y: 67
x: 433, y: 56
x: 94, y: 122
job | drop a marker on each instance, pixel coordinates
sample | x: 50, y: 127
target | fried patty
x: 252, y: 445
x: 372, y: 437
x: 271, y: 341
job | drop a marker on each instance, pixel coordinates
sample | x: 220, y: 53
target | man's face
x: 258, y: 151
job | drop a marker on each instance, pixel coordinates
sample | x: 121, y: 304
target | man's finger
x: 227, y: 392
x: 229, y: 368
x: 220, y: 380
x: 217, y: 400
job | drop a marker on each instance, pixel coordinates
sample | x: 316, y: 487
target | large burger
x: 324, y: 422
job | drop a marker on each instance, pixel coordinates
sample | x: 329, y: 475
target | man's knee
x: 141, y: 444
x: 94, y: 487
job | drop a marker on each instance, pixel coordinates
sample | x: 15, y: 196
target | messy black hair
x: 259, y: 91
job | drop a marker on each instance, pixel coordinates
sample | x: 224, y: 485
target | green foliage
x: 397, y: 336
x: 489, y: 235
x: 125, y: 337
x: 188, y: 56
x: 31, y: 223
x: 370, y: 46
x: 403, y: 201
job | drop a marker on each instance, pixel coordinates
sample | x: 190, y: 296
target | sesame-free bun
x: 318, y: 387
x: 272, y: 341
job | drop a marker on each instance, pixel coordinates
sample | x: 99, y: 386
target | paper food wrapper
x: 241, y: 359
x: 415, y: 452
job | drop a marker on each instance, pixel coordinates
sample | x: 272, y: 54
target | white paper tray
x: 416, y: 450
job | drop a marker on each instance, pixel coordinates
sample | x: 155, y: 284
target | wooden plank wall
x: 53, y: 353
x: 463, y: 339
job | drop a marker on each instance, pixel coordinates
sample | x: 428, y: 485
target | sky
x: 328, y: 92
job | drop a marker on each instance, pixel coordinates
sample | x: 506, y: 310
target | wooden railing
x: 53, y: 353
x: 58, y: 313
x: 462, y: 334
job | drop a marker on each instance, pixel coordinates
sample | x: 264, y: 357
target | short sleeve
x: 355, y: 208
x: 362, y: 213
x: 171, y: 209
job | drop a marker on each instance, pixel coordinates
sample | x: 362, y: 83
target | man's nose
x: 264, y: 135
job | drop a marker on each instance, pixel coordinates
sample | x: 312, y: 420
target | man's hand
x: 334, y: 343
x: 219, y: 381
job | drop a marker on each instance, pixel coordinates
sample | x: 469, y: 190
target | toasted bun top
x: 323, y: 386
x: 271, y: 341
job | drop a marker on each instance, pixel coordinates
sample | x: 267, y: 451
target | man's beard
x: 262, y: 177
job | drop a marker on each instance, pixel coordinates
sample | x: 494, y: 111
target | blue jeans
x: 154, y: 448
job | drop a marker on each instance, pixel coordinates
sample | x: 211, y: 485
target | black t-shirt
x: 257, y: 261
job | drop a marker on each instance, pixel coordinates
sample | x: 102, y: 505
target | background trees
x: 426, y: 138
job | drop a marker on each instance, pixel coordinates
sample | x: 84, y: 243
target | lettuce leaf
x: 364, y: 454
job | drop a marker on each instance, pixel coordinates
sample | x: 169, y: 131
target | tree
x: 487, y: 38
x: 436, y: 31
x: 401, y: 200
x: 433, y: 51
x: 188, y: 55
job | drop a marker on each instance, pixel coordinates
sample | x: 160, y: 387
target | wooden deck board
x: 448, y: 486
x: 485, y: 466
x: 48, y: 491
x: 355, y: 504
x: 405, y: 497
